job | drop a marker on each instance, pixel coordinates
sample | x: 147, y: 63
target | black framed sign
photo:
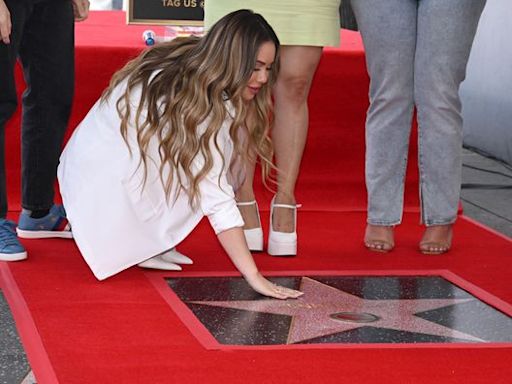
x: 167, y: 12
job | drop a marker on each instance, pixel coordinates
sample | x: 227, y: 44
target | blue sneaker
x: 10, y: 247
x: 54, y: 224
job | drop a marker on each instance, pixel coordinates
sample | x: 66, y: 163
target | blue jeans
x: 42, y: 37
x: 416, y: 54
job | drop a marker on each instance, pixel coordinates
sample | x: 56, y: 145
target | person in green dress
x: 304, y: 27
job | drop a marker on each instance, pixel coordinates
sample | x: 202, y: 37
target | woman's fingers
x: 265, y: 287
x: 287, y: 293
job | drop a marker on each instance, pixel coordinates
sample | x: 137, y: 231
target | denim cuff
x: 430, y: 223
x: 383, y: 223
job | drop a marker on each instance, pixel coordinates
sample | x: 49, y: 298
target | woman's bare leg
x: 246, y: 194
x: 298, y: 66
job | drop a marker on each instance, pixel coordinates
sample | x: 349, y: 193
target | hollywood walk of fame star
x: 321, y: 311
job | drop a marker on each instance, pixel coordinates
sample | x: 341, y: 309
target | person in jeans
x: 416, y: 52
x: 41, y: 34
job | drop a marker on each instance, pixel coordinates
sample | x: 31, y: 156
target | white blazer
x: 115, y: 222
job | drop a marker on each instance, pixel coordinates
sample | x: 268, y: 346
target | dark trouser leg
x: 8, y: 98
x: 47, y: 55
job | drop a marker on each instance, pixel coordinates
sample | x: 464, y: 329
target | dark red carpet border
x: 27, y: 330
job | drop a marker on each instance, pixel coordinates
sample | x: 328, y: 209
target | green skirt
x: 297, y: 22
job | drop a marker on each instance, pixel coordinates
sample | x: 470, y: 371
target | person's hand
x: 233, y: 242
x: 80, y: 9
x: 5, y: 23
x: 267, y: 288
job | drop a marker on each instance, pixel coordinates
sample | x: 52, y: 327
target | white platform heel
x: 253, y: 236
x: 282, y: 243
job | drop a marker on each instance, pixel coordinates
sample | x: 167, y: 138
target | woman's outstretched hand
x: 261, y: 285
x: 233, y: 242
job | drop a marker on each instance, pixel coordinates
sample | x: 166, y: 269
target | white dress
x: 115, y: 222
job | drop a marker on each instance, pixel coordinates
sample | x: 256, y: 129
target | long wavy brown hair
x: 187, y: 82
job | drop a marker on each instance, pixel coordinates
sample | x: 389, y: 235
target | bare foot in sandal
x: 379, y: 238
x: 436, y: 240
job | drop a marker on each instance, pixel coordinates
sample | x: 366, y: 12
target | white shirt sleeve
x: 217, y: 199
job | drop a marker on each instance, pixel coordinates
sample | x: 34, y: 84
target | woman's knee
x: 293, y: 88
x: 438, y: 93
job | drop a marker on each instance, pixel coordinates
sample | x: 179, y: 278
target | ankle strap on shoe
x: 245, y: 203
x: 287, y: 206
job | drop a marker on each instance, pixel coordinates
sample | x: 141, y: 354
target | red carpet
x: 122, y: 330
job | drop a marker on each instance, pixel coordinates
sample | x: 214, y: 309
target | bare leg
x: 298, y: 66
x: 245, y: 194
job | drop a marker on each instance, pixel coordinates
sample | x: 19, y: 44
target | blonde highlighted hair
x: 186, y: 82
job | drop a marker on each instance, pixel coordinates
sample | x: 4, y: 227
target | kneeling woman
x: 162, y: 148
